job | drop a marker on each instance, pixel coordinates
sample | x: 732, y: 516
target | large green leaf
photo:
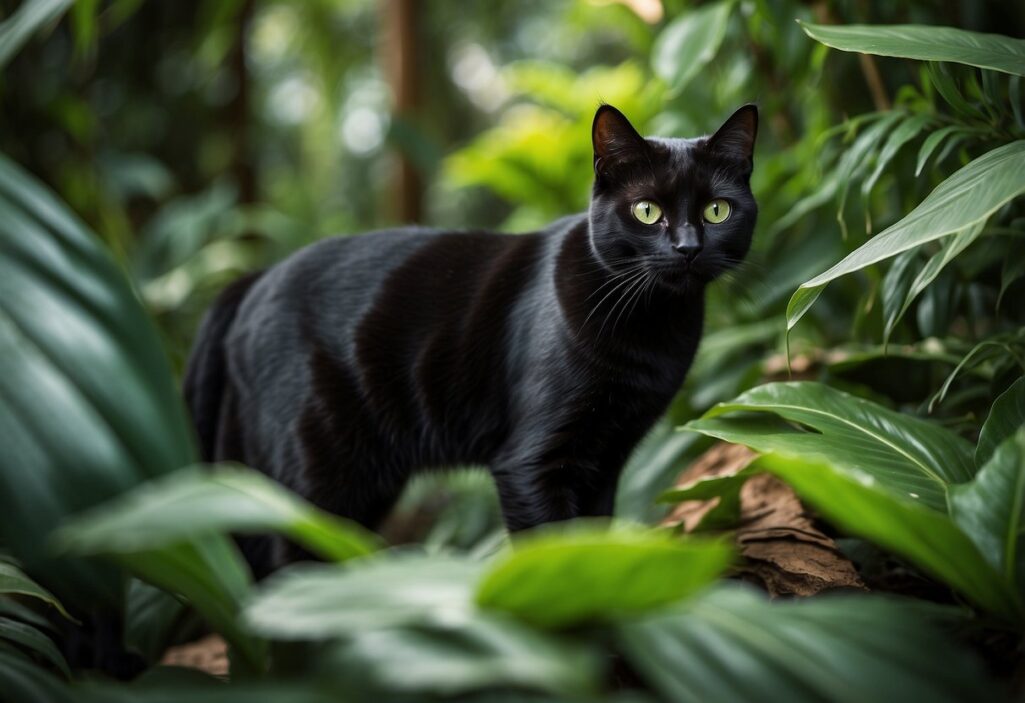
x: 87, y: 403
x: 566, y: 577
x: 991, y: 509
x: 198, y: 500
x: 860, y: 505
x: 966, y: 198
x: 28, y: 19
x: 689, y: 43
x: 317, y: 601
x: 1005, y: 417
x: 910, y: 456
x: 456, y: 659
x: 733, y: 644
x: 925, y: 43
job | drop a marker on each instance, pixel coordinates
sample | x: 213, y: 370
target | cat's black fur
x: 545, y: 356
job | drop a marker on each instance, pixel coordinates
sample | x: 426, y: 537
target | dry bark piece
x: 783, y: 551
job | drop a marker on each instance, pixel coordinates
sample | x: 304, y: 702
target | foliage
x: 907, y: 432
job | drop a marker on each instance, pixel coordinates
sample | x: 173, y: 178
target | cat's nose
x: 687, y: 242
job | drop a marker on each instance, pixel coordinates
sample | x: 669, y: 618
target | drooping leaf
x: 910, y: 456
x: 30, y: 17
x: 925, y: 43
x: 558, y: 579
x: 1005, y: 418
x: 896, y: 284
x: 88, y: 406
x: 907, y: 130
x: 14, y: 580
x: 932, y: 142
x: 33, y: 640
x: 966, y: 198
x: 458, y: 659
x: 689, y: 43
x: 860, y: 505
x: 991, y: 509
x: 198, y: 500
x: 733, y: 644
x: 318, y: 601
x: 25, y: 681
x: 949, y: 250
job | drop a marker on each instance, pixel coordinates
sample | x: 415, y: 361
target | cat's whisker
x: 613, y: 290
x: 624, y: 299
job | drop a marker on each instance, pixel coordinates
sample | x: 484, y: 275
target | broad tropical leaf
x: 198, y: 500
x: 991, y: 509
x: 925, y: 43
x: 966, y: 198
x: 859, y: 505
x: 319, y: 601
x: 88, y: 407
x: 689, y: 43
x: 460, y: 658
x: 1005, y: 418
x: 733, y: 644
x: 557, y: 579
x: 910, y: 456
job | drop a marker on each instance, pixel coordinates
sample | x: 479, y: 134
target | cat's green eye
x: 716, y: 211
x: 647, y: 212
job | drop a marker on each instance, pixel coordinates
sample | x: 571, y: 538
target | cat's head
x: 680, y: 208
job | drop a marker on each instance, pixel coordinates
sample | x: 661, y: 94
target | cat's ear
x: 736, y: 137
x: 614, y: 138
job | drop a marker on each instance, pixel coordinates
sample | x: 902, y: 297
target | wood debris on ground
x: 783, y: 551
x: 209, y: 655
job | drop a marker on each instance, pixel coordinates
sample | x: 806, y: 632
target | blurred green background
x: 204, y: 138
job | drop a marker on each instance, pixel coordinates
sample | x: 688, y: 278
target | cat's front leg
x: 534, y: 490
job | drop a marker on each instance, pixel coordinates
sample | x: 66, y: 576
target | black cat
x: 545, y: 356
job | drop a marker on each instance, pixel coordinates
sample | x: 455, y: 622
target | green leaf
x: 896, y: 284
x: 931, y: 143
x: 33, y: 640
x: 318, y: 601
x: 991, y: 509
x: 211, y: 575
x: 484, y: 653
x: 14, y: 580
x: 25, y: 681
x: 949, y: 250
x: 966, y: 198
x: 859, y: 504
x: 911, y: 456
x: 1005, y: 417
x: 30, y: 17
x: 689, y: 43
x: 901, y: 135
x: 726, y: 513
x: 88, y: 406
x: 203, y: 499
x: 733, y: 644
x: 557, y: 579
x: 925, y: 43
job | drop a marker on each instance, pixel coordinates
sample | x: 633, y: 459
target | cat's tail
x: 206, y: 372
